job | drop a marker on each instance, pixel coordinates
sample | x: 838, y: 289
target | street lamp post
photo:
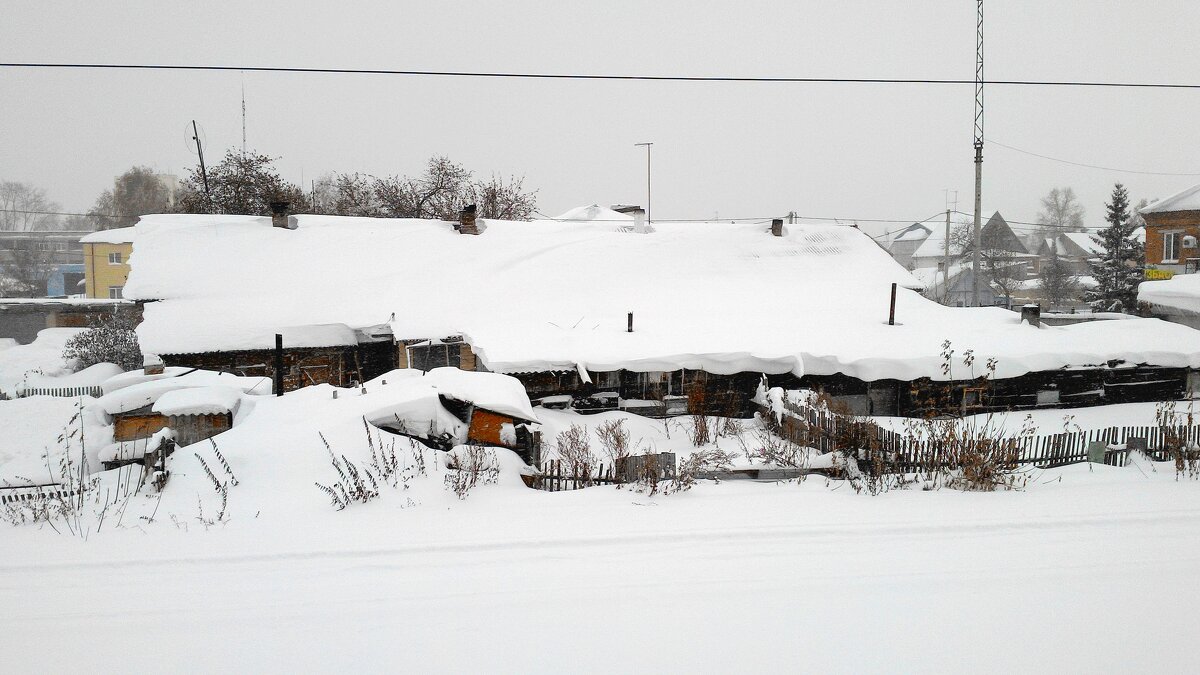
x: 647, y: 145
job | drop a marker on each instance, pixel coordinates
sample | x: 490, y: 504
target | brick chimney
x: 777, y: 227
x: 279, y: 214
x: 466, y: 220
x: 1031, y: 314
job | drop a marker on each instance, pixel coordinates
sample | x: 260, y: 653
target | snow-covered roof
x: 595, y: 212
x: 119, y: 235
x: 1184, y: 200
x: 914, y: 232
x: 1084, y: 241
x: 189, y: 377
x: 547, y: 295
x: 413, y: 399
x: 1181, y: 292
x: 198, y: 401
x: 934, y: 244
x: 131, y: 392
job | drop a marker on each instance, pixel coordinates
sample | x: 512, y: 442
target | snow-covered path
x: 1094, y: 574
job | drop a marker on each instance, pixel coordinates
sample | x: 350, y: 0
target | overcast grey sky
x: 737, y: 149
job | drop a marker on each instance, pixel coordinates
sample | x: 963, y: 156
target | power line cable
x: 1088, y: 166
x: 576, y: 76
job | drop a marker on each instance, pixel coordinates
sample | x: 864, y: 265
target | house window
x: 114, y: 292
x: 1170, y: 247
x: 114, y: 258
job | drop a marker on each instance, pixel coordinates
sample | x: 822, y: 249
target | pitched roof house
x: 589, y: 305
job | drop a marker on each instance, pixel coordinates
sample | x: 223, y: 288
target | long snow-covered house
x: 613, y: 313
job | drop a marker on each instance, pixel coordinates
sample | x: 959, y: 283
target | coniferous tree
x: 1120, y: 267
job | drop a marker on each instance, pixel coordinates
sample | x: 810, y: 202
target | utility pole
x: 647, y: 178
x: 946, y: 260
x: 978, y: 147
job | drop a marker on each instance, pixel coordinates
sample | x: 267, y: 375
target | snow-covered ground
x: 1088, y: 569
x: 34, y: 363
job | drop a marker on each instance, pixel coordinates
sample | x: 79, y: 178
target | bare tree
x: 28, y: 264
x: 503, y: 200
x: 243, y: 183
x: 1058, y: 281
x: 996, y: 262
x: 440, y: 192
x: 1061, y: 212
x: 135, y: 193
x: 25, y: 208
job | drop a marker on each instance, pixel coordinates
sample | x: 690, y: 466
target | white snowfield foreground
x: 730, y: 577
x: 727, y: 578
x: 543, y: 295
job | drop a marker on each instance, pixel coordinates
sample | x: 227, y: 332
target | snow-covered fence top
x: 92, y: 390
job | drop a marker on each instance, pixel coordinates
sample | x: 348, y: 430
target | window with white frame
x: 114, y: 292
x: 1171, y: 246
x: 114, y: 258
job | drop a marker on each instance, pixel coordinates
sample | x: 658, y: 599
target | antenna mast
x: 978, y: 146
x: 243, y: 116
x: 200, y: 151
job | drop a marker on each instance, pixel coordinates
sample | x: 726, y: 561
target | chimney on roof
x: 639, y: 221
x: 777, y: 227
x: 152, y: 364
x: 466, y: 220
x: 1032, y: 314
x: 279, y: 214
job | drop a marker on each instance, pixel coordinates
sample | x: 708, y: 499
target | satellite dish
x: 190, y: 134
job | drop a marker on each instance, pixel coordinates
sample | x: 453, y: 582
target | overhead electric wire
x: 579, y: 76
x: 1088, y: 166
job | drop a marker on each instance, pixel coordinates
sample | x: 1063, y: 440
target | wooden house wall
x: 136, y: 425
x: 194, y: 428
x: 486, y: 427
x: 339, y: 366
x: 1093, y: 386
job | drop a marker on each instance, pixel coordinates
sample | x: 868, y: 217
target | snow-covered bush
x: 470, y: 466
x: 575, y: 451
x: 110, y: 339
x: 614, y: 438
x: 1185, y: 455
x: 362, y: 482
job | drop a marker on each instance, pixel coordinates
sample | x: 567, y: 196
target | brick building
x: 1172, y: 232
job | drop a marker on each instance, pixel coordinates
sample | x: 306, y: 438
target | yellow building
x: 106, y: 262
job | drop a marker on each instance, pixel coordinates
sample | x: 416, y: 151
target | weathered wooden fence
x: 555, y: 476
x: 35, y: 493
x: 821, y: 428
x: 93, y: 391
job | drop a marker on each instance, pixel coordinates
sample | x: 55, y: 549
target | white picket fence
x: 67, y: 392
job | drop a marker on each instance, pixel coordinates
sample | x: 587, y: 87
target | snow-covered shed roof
x: 1184, y: 200
x: 413, y: 398
x: 546, y: 295
x: 133, y: 390
x: 189, y: 377
x: 1181, y: 292
x: 119, y: 235
x: 198, y: 401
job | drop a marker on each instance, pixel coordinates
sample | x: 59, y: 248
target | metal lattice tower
x: 978, y: 149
